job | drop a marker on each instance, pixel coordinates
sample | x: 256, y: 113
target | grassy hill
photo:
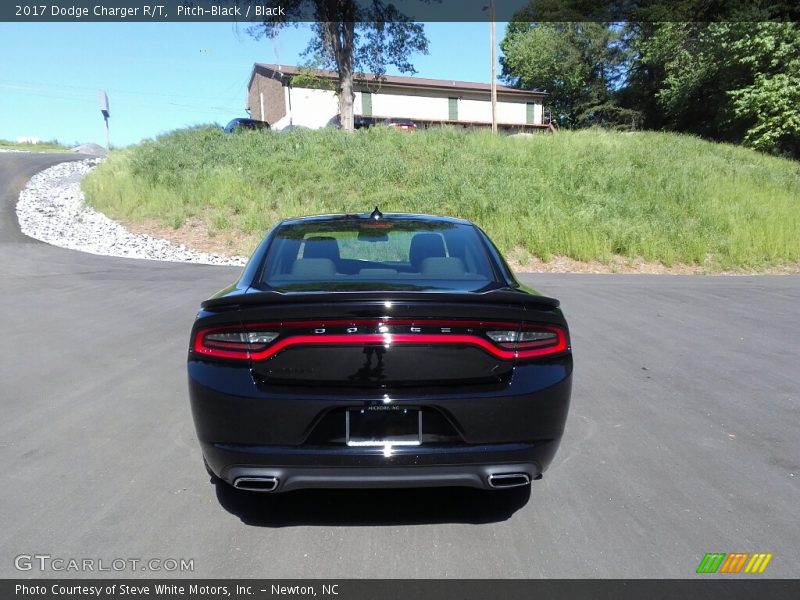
x: 51, y: 146
x: 588, y: 195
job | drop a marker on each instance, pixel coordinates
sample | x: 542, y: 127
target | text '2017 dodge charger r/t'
x: 378, y: 351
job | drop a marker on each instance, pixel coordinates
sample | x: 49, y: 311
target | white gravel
x: 52, y: 209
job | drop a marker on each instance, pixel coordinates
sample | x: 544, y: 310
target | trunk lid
x: 397, y: 341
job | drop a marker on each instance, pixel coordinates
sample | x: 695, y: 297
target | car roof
x: 368, y: 216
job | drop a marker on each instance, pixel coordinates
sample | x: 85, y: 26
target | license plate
x: 383, y: 426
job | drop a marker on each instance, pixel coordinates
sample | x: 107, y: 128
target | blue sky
x: 165, y: 76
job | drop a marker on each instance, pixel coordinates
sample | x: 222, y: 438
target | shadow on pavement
x: 372, y: 507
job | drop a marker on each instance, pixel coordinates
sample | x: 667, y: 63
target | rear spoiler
x: 503, y: 296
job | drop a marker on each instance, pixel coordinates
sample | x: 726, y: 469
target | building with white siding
x: 274, y: 97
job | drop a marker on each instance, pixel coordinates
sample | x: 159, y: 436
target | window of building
x: 530, y: 113
x: 453, y: 109
x: 366, y: 104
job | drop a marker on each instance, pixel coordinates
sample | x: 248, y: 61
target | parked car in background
x: 242, y: 123
x: 363, y: 122
x: 359, y: 122
x: 289, y: 128
x: 402, y: 124
x: 378, y: 351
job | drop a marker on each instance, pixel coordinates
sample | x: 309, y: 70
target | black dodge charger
x: 378, y: 351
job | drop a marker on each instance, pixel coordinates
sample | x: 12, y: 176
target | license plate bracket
x: 383, y: 426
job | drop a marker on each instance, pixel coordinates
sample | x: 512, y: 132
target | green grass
x: 51, y: 146
x: 586, y: 194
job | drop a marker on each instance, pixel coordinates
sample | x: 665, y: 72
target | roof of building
x: 284, y: 72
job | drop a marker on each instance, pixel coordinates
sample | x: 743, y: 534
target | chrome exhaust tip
x: 256, y: 484
x: 508, y: 480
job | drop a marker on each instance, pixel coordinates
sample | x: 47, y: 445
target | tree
x: 351, y: 36
x: 731, y: 81
x: 581, y: 65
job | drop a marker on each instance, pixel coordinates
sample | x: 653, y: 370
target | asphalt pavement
x: 683, y: 436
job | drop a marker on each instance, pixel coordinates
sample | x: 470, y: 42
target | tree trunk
x: 346, y: 97
x: 340, y: 36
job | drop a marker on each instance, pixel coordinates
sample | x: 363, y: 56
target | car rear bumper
x: 483, y: 466
x: 296, y: 437
x: 286, y: 479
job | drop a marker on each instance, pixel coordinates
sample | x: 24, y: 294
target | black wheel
x: 511, y: 499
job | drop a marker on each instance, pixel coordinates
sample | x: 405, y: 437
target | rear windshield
x: 373, y: 255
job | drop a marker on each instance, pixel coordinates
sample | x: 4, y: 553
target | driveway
x: 683, y: 438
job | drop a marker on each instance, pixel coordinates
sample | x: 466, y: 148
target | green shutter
x: 366, y: 104
x: 529, y: 114
x: 453, y: 109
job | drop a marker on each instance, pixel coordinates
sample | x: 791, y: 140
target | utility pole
x: 494, y: 67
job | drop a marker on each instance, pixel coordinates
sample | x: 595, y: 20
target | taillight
x: 532, y: 341
x: 503, y: 338
x: 230, y: 343
x: 261, y: 341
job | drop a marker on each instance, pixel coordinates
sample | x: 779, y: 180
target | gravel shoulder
x: 52, y: 209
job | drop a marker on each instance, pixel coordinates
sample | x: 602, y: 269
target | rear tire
x: 214, y: 478
x: 510, y: 499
